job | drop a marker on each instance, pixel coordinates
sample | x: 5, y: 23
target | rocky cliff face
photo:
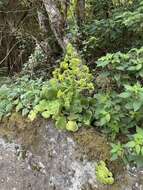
x: 39, y: 157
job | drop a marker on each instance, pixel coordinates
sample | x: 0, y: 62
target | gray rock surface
x: 57, y: 160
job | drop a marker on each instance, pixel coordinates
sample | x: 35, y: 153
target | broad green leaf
x: 54, y: 107
x: 138, y: 149
x: 15, y: 102
x: 138, y: 67
x: 139, y: 130
x: 108, y: 117
x: 73, y: 116
x: 76, y: 106
x: 137, y: 105
x: 42, y: 106
x: 72, y: 126
x: 124, y: 95
x: 49, y: 93
x: 102, y: 63
x: 130, y: 144
x: 46, y: 114
x: 142, y: 151
x: 103, y: 121
x: 61, y: 123
x: 87, y: 117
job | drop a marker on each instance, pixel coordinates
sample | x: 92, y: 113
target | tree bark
x: 56, y: 22
x: 80, y: 12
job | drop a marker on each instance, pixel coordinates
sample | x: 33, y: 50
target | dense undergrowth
x: 107, y: 95
x: 114, y: 103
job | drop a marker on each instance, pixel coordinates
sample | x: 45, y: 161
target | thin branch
x: 9, y: 52
x: 17, y: 11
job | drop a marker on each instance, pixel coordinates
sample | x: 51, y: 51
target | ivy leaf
x: 103, y: 121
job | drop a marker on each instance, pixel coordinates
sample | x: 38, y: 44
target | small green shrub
x: 130, y: 152
x: 117, y: 151
x: 64, y: 97
x: 134, y: 148
x: 108, y: 113
x: 21, y: 96
x: 122, y: 68
x: 133, y: 97
x: 112, y: 29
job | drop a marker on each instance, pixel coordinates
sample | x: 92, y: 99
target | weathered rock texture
x: 44, y: 158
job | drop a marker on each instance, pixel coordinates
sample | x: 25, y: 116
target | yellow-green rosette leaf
x: 70, y: 49
x: 46, y: 114
x: 103, y: 174
x: 72, y: 126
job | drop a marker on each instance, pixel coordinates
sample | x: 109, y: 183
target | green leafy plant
x: 130, y: 152
x: 117, y: 151
x: 112, y: 28
x: 133, y: 96
x: 122, y: 68
x: 134, y: 148
x: 62, y: 98
x: 21, y: 96
x: 108, y: 114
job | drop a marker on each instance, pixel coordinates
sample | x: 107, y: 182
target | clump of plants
x: 130, y: 152
x: 69, y: 98
x: 20, y: 96
x: 103, y: 174
x: 119, y: 105
x: 122, y: 68
x: 63, y: 97
x: 66, y: 97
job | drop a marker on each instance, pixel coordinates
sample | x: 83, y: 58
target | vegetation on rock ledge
x: 80, y: 64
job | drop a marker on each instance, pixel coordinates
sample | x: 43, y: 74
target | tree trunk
x: 80, y: 12
x: 45, y: 29
x: 56, y: 22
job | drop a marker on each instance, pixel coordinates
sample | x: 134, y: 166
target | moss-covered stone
x: 93, y: 144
